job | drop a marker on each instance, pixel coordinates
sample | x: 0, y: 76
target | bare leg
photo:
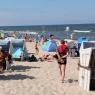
x: 60, y: 71
x: 78, y: 64
x: 63, y: 67
x: 37, y: 52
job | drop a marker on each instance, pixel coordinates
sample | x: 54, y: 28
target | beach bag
x: 32, y: 58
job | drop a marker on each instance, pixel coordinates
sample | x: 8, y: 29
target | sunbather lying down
x: 46, y: 57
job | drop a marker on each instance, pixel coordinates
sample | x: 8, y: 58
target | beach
x: 41, y: 78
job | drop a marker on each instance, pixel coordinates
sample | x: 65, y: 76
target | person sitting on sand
x: 46, y: 57
x: 61, y: 56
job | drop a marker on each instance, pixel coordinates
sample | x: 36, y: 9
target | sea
x: 59, y: 31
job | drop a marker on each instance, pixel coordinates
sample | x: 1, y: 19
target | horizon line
x: 44, y: 24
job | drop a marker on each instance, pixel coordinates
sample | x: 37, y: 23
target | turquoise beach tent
x: 17, y: 52
x: 49, y: 46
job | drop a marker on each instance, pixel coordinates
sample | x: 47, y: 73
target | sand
x: 40, y: 78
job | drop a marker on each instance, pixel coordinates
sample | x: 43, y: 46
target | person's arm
x: 59, y: 57
x: 66, y: 53
x: 65, y: 56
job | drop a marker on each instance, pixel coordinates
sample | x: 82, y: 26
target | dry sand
x: 40, y: 78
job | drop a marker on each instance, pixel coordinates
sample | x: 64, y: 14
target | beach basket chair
x: 87, y: 66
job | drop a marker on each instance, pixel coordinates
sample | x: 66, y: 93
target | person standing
x: 37, y: 48
x: 62, y: 53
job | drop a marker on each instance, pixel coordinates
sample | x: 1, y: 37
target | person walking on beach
x: 62, y: 58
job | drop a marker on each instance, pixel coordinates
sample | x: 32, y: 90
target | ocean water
x: 57, y: 30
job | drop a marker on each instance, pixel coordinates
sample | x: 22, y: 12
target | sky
x: 46, y: 12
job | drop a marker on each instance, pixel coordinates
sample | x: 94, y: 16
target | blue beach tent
x: 49, y: 46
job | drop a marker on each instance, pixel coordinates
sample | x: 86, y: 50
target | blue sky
x: 38, y: 12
